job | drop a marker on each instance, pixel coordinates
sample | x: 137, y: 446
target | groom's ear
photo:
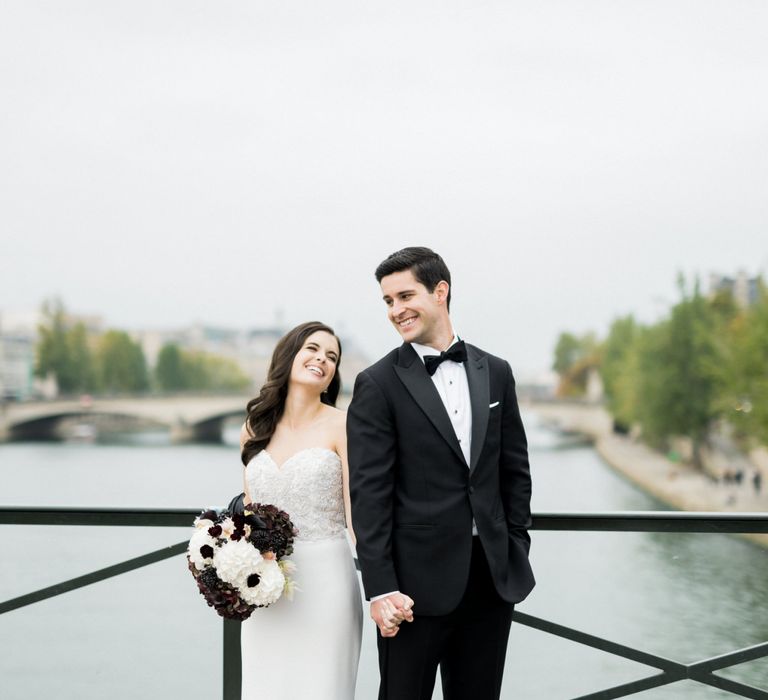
x: 441, y: 292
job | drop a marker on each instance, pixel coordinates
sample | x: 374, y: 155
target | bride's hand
x: 392, y: 618
x: 389, y: 612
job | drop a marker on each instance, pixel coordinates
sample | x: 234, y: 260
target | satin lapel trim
x: 479, y: 396
x: 421, y: 388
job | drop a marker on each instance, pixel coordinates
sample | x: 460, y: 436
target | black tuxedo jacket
x: 413, y: 494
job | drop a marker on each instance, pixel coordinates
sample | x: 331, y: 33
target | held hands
x: 389, y: 612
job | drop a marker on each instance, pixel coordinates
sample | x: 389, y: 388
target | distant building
x: 18, y: 333
x: 744, y: 289
x: 18, y: 341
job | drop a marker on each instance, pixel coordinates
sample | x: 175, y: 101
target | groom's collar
x: 407, y: 352
x: 423, y: 350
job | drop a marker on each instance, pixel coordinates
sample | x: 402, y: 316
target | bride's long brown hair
x: 266, y: 410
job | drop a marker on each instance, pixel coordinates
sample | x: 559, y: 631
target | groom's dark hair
x: 427, y: 267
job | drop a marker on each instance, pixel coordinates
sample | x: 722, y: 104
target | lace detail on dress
x: 308, y: 486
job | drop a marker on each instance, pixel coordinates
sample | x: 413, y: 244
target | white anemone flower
x: 270, y: 586
x: 235, y: 561
x: 200, y: 538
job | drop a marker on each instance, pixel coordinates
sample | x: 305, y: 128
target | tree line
x: 705, y: 361
x: 112, y: 362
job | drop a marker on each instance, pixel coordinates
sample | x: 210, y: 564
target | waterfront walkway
x: 675, y: 484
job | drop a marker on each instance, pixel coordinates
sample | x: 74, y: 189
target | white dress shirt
x: 450, y: 380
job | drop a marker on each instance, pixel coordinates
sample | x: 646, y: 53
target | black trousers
x: 469, y: 644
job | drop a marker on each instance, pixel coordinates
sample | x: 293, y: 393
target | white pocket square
x: 493, y: 405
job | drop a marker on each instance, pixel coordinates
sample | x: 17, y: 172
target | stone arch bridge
x: 189, y: 418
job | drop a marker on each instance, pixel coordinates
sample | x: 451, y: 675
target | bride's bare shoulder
x: 336, y: 418
x: 332, y: 411
x: 337, y: 428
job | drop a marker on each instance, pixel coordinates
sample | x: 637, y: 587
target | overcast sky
x: 168, y: 162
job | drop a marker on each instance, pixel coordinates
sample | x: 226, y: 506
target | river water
x: 149, y: 634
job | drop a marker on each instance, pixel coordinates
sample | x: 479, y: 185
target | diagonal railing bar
x: 741, y: 689
x: 701, y: 671
x: 732, y: 658
x: 599, y: 643
x: 667, y: 678
x: 673, y: 671
x: 93, y: 577
x: 638, y: 686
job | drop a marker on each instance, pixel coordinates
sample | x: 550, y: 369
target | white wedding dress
x: 307, y: 648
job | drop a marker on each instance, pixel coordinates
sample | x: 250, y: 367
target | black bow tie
x: 457, y: 353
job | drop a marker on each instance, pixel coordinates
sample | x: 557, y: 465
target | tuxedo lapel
x: 420, y: 386
x: 479, y: 396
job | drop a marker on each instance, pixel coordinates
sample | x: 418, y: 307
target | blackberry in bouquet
x: 238, y: 557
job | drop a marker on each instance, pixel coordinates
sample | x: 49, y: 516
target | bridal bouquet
x: 238, y: 559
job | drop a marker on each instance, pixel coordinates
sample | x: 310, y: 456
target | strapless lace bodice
x: 307, y: 486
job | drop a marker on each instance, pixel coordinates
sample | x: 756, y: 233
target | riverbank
x: 675, y: 484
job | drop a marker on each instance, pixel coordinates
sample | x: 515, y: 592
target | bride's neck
x: 301, y: 408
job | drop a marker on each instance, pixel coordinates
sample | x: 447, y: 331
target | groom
x: 441, y: 490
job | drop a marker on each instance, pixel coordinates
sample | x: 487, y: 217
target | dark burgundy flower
x: 209, y: 515
x: 253, y: 580
x: 276, y: 534
x: 206, y: 551
x: 215, y: 531
x: 209, y: 578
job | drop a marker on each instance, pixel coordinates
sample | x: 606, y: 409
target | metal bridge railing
x: 668, y: 671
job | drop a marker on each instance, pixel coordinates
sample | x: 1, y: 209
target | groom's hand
x: 389, y: 612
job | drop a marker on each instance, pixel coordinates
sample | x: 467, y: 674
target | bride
x: 295, y: 455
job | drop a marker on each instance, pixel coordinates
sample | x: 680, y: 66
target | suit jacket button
x: 471, y: 490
